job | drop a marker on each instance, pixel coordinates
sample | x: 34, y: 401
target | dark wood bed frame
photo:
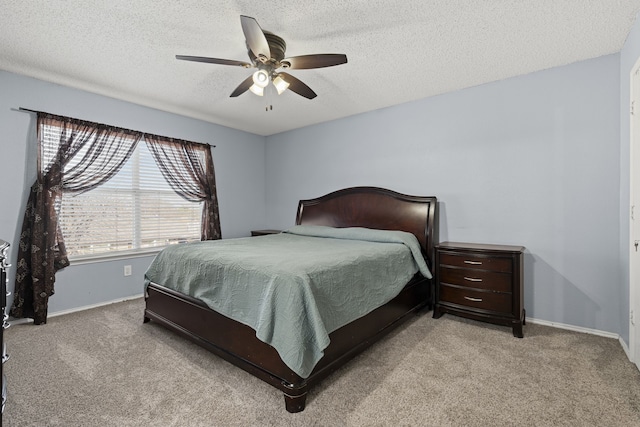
x: 369, y: 207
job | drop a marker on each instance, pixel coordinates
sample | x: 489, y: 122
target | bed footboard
x: 237, y: 343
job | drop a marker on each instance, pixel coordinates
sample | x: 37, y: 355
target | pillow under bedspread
x: 296, y: 287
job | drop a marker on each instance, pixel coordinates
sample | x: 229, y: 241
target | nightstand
x: 481, y: 282
x: 264, y: 232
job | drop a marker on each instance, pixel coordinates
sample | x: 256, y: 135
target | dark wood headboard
x: 377, y: 208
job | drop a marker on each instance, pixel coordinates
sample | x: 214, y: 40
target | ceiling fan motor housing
x: 277, y: 46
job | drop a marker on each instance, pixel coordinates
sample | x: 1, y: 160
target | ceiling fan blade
x: 214, y: 60
x: 242, y: 87
x: 297, y: 86
x: 306, y: 62
x: 256, y: 40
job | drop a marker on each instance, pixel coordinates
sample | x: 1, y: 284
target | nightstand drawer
x: 490, y: 280
x: 467, y: 260
x: 482, y: 282
x: 490, y: 301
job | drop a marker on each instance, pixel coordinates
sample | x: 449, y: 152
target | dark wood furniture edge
x: 481, y: 247
x: 4, y: 265
x: 516, y: 324
x: 264, y: 232
x: 339, y: 209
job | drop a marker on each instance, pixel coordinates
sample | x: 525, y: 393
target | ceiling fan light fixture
x: 261, y: 78
x: 280, y: 84
x: 258, y: 90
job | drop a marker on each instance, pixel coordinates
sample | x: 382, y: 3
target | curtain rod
x: 27, y: 110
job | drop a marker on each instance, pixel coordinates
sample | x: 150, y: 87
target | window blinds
x: 133, y: 212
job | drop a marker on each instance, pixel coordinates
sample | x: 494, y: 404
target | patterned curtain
x: 83, y: 156
x: 188, y: 168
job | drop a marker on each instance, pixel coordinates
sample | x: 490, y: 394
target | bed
x: 360, y: 207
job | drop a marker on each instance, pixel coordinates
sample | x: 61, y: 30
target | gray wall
x: 533, y: 160
x: 238, y: 158
x: 628, y: 57
x: 537, y: 160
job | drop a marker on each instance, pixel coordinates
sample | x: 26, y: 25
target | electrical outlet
x: 127, y: 270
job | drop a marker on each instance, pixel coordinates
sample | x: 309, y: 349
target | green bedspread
x: 296, y: 287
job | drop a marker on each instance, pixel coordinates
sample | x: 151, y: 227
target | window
x: 135, y: 211
x: 121, y: 204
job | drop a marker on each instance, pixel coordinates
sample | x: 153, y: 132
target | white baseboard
x: 623, y: 344
x: 100, y: 304
x: 573, y: 328
x: 625, y: 347
x: 528, y: 319
x: 76, y: 309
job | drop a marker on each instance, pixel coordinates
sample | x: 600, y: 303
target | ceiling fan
x: 266, y: 51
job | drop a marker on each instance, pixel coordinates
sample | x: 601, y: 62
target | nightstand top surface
x: 479, y: 247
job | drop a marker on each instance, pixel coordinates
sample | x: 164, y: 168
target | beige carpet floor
x: 104, y: 367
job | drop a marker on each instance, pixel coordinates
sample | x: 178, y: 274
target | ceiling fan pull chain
x: 268, y: 97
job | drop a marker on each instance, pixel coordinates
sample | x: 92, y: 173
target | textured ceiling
x: 398, y: 51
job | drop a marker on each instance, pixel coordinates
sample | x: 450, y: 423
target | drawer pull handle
x: 472, y: 279
x: 473, y: 299
x: 473, y: 262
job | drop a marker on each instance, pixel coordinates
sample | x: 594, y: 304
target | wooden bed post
x: 295, y: 398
